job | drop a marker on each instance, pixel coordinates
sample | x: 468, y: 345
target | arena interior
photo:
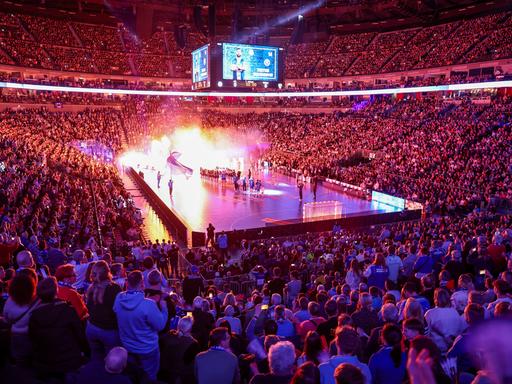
x: 302, y: 192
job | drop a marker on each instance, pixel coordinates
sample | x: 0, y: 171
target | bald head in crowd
x: 24, y: 259
x: 116, y: 360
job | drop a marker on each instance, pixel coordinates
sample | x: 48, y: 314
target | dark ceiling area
x: 320, y: 16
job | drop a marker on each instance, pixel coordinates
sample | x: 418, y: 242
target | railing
x: 96, y: 219
x: 173, y: 224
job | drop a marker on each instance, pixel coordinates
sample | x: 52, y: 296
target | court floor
x: 199, y: 201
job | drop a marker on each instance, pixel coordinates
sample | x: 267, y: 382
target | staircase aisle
x: 152, y: 227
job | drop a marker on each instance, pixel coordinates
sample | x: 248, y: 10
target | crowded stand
x: 380, y: 50
x: 400, y: 133
x: 43, y: 42
x: 89, y: 295
x: 315, y: 302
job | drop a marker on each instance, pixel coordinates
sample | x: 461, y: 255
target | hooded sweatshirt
x: 139, y: 321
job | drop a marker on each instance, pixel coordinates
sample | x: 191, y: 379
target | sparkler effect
x: 197, y: 149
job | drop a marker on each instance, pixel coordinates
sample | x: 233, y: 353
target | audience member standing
x: 139, y: 321
x: 443, y: 321
x: 66, y: 277
x: 210, y: 235
x: 102, y: 332
x: 217, y: 365
x: 56, y: 334
x: 21, y: 303
x: 347, y: 342
x: 178, y: 350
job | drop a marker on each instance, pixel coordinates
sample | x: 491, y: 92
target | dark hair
x: 410, y: 287
x: 88, y: 272
x: 307, y: 373
x: 148, y: 262
x: 65, y: 271
x: 441, y: 298
x: 388, y: 298
x: 474, y: 313
x: 47, y: 289
x: 392, y: 336
x: 501, y: 287
x: 347, y: 340
x: 217, y: 336
x: 314, y: 308
x: 415, y: 325
x: 379, y: 260
x: 313, y: 346
x: 279, y: 312
x: 374, y: 291
x: 226, y: 324
x: 303, y: 303
x: 420, y: 343
x: 28, y: 272
x: 134, y: 279
x: 503, y: 308
x: 331, y: 307
x: 22, y: 289
x: 390, y: 285
x: 270, y: 327
x: 257, y: 300
x: 344, y: 319
x: 348, y: 374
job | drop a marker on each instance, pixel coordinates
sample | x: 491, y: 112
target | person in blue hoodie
x: 139, y: 320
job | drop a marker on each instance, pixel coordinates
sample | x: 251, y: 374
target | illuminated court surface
x: 199, y: 201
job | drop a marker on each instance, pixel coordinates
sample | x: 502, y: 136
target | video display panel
x: 200, y: 65
x: 249, y: 62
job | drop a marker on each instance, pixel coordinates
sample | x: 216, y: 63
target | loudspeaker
x: 212, y: 22
x: 180, y: 36
x: 298, y: 32
x: 234, y: 23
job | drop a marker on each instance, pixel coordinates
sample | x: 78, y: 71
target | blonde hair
x: 102, y: 278
x: 230, y: 299
x: 413, y: 310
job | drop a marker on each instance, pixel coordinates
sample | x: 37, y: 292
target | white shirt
x: 444, y: 324
x: 394, y: 264
x: 80, y: 271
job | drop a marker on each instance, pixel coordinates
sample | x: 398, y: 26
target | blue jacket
x: 383, y: 369
x: 424, y: 264
x: 139, y: 321
x: 285, y: 328
x: 378, y: 276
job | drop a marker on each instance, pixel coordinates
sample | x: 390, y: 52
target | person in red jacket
x: 66, y: 277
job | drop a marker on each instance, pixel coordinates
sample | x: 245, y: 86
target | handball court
x: 198, y: 201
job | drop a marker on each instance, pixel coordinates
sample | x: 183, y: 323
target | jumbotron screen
x: 249, y: 62
x: 200, y: 65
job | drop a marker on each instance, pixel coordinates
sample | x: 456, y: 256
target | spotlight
x: 280, y: 85
x: 300, y: 17
x: 219, y: 84
x: 235, y: 83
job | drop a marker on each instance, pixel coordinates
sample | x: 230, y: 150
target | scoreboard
x: 233, y: 65
x: 201, y: 67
